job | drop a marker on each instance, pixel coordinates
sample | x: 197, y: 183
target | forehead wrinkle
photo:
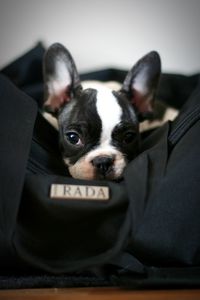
x: 109, y: 112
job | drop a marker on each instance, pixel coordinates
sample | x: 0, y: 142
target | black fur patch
x: 84, y: 119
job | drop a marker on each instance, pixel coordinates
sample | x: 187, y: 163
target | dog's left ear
x: 61, y: 78
x: 141, y: 82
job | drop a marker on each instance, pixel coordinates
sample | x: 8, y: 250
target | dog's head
x: 98, y: 127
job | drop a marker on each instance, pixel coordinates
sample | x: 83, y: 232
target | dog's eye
x: 73, y: 138
x: 128, y: 137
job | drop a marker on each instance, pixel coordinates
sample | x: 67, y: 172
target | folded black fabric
x: 26, y: 72
x: 17, y: 117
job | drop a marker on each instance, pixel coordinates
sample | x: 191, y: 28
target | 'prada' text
x: 80, y: 192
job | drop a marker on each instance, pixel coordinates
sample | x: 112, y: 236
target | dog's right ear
x: 141, y: 82
x: 61, y: 78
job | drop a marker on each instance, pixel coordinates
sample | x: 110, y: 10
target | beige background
x: 108, y: 33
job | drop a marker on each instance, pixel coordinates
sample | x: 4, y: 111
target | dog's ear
x: 61, y: 78
x: 141, y: 82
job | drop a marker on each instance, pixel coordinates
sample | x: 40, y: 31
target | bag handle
x: 189, y: 115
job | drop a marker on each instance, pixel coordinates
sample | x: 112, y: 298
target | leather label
x: 79, y: 192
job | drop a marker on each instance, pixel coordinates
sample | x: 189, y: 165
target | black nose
x: 103, y: 164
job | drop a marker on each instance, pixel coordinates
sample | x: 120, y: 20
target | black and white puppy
x: 98, y: 127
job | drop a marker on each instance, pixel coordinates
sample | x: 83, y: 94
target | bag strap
x: 183, y: 125
x: 189, y: 115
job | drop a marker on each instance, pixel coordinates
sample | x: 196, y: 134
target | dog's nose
x: 103, y: 164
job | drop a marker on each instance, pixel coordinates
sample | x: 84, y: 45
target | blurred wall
x: 108, y: 33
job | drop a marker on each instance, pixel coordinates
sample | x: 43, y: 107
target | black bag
x: 146, y: 234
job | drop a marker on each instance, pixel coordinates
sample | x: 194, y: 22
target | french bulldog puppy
x: 98, y: 127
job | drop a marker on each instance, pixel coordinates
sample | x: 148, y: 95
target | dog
x: 98, y: 127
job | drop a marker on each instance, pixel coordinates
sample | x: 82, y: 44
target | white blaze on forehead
x: 109, y: 112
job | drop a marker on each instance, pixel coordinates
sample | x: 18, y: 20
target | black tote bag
x: 146, y: 234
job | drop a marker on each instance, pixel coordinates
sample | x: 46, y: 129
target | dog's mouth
x: 96, y: 175
x: 110, y: 175
x: 100, y: 168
